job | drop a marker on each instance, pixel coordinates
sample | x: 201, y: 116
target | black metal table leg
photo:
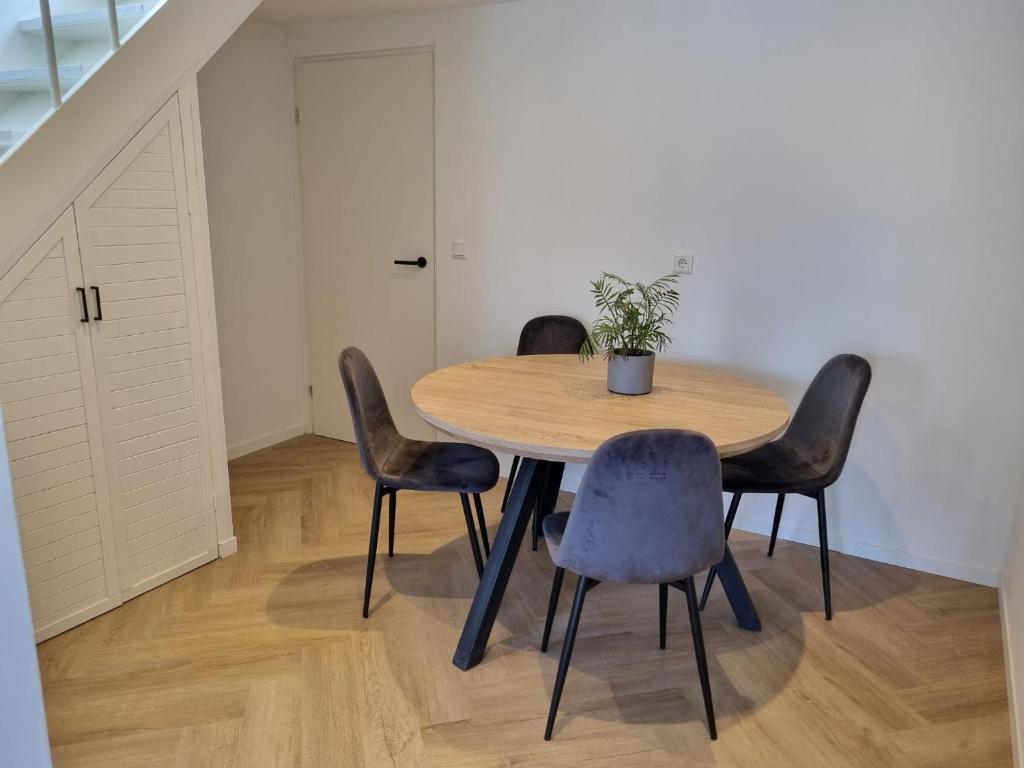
x: 548, y: 498
x: 508, y: 485
x: 505, y: 549
x: 736, y: 591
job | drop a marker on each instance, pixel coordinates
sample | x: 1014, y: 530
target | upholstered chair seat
x: 418, y: 465
x: 554, y: 529
x: 773, y: 468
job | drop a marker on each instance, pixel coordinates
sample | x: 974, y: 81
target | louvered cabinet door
x: 135, y: 239
x: 51, y: 416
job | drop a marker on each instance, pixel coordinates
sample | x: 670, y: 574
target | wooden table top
x: 555, y: 408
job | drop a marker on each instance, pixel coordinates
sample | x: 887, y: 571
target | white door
x: 54, y: 441
x: 366, y: 139
x: 133, y: 227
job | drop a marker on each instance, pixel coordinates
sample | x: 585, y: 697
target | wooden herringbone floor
x: 262, y: 659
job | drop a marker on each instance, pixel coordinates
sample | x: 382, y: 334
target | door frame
x: 301, y: 229
x: 195, y: 174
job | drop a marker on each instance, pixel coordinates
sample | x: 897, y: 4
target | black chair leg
x: 392, y: 494
x: 471, y: 529
x: 734, y: 504
x: 537, y: 507
x: 508, y: 485
x: 775, y: 523
x: 372, y: 557
x: 826, y: 579
x: 556, y: 589
x: 662, y: 614
x: 483, y: 523
x: 702, y: 659
x: 563, y: 663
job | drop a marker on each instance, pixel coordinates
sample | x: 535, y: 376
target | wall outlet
x: 682, y: 262
x: 459, y: 251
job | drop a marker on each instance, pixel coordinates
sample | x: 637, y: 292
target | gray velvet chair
x: 552, y: 335
x: 808, y: 458
x: 397, y: 463
x: 648, y: 511
x: 546, y: 335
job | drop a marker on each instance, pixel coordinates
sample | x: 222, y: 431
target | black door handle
x: 99, y: 304
x: 421, y: 262
x: 85, y: 305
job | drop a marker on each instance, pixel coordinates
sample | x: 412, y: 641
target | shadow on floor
x: 618, y: 672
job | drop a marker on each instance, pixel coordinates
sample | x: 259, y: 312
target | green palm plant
x: 633, y: 316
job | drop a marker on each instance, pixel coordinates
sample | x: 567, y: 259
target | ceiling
x: 303, y: 10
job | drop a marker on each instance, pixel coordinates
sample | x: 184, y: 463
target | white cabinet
x: 51, y: 413
x: 101, y: 384
x: 135, y: 238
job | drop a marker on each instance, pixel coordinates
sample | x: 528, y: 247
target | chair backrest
x: 822, y: 427
x: 552, y: 335
x: 648, y: 510
x: 376, y: 434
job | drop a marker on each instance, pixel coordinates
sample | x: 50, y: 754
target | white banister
x: 51, y: 52
x: 115, y: 34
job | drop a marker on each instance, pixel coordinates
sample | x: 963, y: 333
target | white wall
x: 850, y: 176
x: 245, y: 96
x: 16, y: 49
x: 23, y: 736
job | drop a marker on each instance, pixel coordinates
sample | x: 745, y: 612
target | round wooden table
x: 552, y: 409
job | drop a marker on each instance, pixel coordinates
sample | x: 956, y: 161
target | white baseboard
x: 762, y: 524
x: 1016, y: 710
x: 876, y: 552
x: 265, y: 441
x: 227, y: 547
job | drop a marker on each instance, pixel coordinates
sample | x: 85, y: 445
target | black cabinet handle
x: 85, y: 305
x: 421, y: 262
x: 99, y: 304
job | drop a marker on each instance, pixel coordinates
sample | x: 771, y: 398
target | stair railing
x: 51, y: 52
x: 115, y: 35
x: 60, y: 77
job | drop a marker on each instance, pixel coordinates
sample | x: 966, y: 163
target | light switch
x: 459, y: 251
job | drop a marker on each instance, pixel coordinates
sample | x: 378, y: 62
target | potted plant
x: 631, y: 329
